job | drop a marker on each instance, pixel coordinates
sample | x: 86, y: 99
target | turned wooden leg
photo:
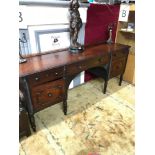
x: 32, y: 122
x: 65, y: 96
x: 65, y: 107
x: 65, y: 103
x: 105, y: 86
x: 121, y: 79
x: 28, y: 132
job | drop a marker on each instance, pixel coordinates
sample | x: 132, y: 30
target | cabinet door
x: 117, y: 67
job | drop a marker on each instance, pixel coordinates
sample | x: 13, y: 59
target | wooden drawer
x: 119, y: 54
x: 117, y: 67
x: 84, y: 65
x: 45, y: 76
x: 47, y: 94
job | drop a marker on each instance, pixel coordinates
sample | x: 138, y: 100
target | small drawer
x: 100, y: 61
x: 45, y: 76
x: 47, y: 94
x: 119, y: 54
x: 77, y: 67
x: 84, y: 65
x: 117, y: 67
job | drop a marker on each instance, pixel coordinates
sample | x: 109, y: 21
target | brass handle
x: 49, y: 94
x: 56, y: 73
x: 37, y: 78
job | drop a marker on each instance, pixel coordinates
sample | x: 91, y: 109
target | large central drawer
x: 84, y: 65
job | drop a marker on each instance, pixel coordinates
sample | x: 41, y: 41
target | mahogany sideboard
x: 45, y: 78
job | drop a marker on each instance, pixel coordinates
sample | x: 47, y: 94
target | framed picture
x: 52, y: 39
x: 45, y: 38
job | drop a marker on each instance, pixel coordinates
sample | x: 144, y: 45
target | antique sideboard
x: 44, y: 79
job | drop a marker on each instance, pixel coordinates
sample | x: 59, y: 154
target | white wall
x: 43, y: 15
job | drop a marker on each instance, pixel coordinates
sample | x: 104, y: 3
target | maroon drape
x: 99, y: 16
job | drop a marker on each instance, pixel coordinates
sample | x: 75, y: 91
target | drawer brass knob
x: 49, y: 94
x: 80, y: 67
x: 56, y: 73
x: 37, y: 78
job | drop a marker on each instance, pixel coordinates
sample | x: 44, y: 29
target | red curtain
x: 99, y: 16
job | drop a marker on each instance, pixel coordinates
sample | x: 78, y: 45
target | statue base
x: 76, y: 50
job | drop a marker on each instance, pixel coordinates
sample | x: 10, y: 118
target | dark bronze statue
x: 75, y: 25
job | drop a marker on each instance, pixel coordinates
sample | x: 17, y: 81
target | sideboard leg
x: 29, y: 105
x: 65, y: 100
x: 121, y: 79
x: 105, y: 86
x: 65, y: 107
x: 32, y: 122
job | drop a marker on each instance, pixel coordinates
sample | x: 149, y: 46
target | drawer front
x: 45, y: 76
x: 84, y: 65
x: 119, y: 54
x: 47, y: 94
x: 117, y: 67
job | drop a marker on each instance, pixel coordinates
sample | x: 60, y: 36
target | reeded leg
x: 105, y: 86
x: 32, y: 122
x: 121, y: 79
x: 28, y: 132
x: 65, y: 107
x: 65, y: 96
x: 65, y: 102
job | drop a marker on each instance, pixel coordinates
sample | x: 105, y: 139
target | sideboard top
x: 43, y: 62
